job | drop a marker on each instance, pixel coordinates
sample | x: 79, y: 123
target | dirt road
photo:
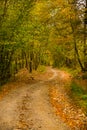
x: 28, y: 108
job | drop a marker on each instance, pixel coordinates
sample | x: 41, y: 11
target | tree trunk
x: 78, y: 57
x: 85, y: 40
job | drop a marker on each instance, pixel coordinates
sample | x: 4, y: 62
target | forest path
x: 29, y: 108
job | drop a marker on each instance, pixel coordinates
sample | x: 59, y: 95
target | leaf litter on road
x: 65, y: 107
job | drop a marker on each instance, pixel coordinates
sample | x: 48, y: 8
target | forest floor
x: 40, y: 101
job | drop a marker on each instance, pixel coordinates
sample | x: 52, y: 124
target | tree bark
x: 85, y: 39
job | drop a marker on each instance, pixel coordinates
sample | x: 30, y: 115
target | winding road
x: 28, y: 108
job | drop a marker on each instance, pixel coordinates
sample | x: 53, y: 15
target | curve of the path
x: 28, y: 108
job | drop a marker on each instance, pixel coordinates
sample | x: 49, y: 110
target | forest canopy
x: 42, y: 32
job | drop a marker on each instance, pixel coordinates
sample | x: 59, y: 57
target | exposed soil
x: 31, y: 106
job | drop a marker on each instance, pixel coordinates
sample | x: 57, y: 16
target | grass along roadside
x: 79, y: 95
x: 78, y: 87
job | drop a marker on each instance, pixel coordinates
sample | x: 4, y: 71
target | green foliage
x: 41, y: 68
x: 77, y: 89
x: 39, y: 33
x: 13, y: 37
x: 72, y: 71
x: 84, y: 76
x: 79, y: 95
x: 84, y: 97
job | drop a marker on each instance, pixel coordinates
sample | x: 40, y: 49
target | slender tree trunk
x: 78, y: 57
x: 31, y: 62
x: 85, y: 38
x: 23, y: 58
x: 85, y: 48
x: 75, y: 47
x: 5, y: 7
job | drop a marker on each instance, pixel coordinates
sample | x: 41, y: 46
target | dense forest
x: 43, y: 32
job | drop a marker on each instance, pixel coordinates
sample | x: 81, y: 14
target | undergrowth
x: 79, y: 95
x: 41, y: 68
x: 73, y: 72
